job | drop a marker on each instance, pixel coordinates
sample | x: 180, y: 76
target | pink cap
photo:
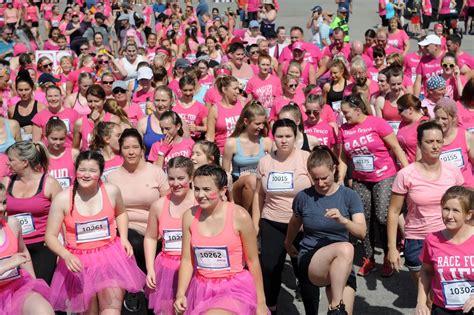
x: 298, y: 45
x: 19, y: 49
x: 131, y: 32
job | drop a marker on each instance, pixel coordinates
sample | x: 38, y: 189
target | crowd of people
x: 169, y: 153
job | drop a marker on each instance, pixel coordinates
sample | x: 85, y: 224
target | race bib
x: 173, y: 239
x: 143, y: 107
x: 66, y: 122
x: 336, y: 106
x: 375, y: 77
x: 456, y: 292
x: 10, y: 274
x: 395, y: 126
x: 280, y: 181
x: 363, y: 163
x: 212, y: 257
x: 65, y: 182
x: 92, y: 231
x: 27, y: 223
x: 25, y: 136
x: 453, y: 157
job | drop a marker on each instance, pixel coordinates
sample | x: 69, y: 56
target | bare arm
x: 394, y: 210
x: 76, y: 140
x: 257, y: 204
x: 417, y: 84
x: 211, y: 124
x: 392, y: 142
x: 229, y: 150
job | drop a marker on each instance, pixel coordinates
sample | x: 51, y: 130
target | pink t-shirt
x: 67, y: 115
x: 330, y: 51
x: 183, y: 148
x: 423, y: 197
x: 410, y: 63
x: 398, y: 40
x: 445, y: 7
x: 63, y: 169
x: 112, y: 165
x: 323, y: 131
x: 264, y: 91
x: 364, y: 146
x: 465, y: 117
x: 406, y: 136
x: 281, y: 101
x: 452, y: 263
x: 212, y: 96
x: 281, y: 181
x: 148, y: 185
x: 225, y: 124
x: 429, y: 67
x: 451, y: 89
x: 312, y: 54
x: 134, y: 113
x: 427, y: 8
x: 382, y: 3
x: 465, y: 59
x: 4, y: 169
x: 192, y: 115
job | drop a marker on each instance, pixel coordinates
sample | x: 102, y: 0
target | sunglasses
x: 118, y: 91
x: 448, y: 65
x: 103, y: 62
x: 312, y: 112
x: 256, y: 52
x: 401, y: 110
x: 48, y: 65
x: 108, y: 82
x: 292, y: 86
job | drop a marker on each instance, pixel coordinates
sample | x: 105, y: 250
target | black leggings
x: 44, y: 261
x: 272, y: 260
x: 136, y: 240
x: 436, y: 310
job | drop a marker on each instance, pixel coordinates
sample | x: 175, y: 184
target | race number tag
x: 10, y: 274
x: 453, y: 157
x: 65, y: 182
x: 92, y: 231
x: 212, y: 257
x: 457, y: 292
x: 280, y: 181
x: 27, y: 223
x: 173, y: 239
x: 143, y: 107
x: 25, y: 136
x: 66, y: 122
x: 336, y: 106
x: 395, y: 126
x: 363, y: 163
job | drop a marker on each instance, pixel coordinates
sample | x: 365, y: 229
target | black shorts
x: 470, y: 11
x: 384, y: 21
x: 437, y: 310
x: 305, y: 260
x: 34, y: 24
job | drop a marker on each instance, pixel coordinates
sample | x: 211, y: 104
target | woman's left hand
x: 456, y: 71
x: 334, y: 214
x: 127, y: 247
x: 468, y: 305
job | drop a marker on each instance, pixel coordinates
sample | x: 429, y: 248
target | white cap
x: 430, y: 40
x: 145, y: 73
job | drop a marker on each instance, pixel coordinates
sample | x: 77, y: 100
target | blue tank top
x: 9, y: 140
x: 242, y: 164
x: 150, y: 137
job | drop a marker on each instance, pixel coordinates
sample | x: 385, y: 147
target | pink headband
x: 223, y: 71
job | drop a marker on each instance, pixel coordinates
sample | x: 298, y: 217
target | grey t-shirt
x: 311, y: 208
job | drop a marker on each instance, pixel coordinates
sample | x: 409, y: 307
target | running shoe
x: 131, y: 302
x: 368, y: 266
x: 339, y: 310
x: 387, y: 269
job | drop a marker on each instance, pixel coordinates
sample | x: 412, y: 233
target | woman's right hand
x: 19, y: 259
x: 73, y: 263
x: 291, y: 249
x: 151, y: 279
x: 180, y: 304
x: 394, y: 259
x: 422, y: 309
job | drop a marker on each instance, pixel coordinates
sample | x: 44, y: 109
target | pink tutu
x: 162, y: 298
x: 234, y: 294
x: 104, y: 267
x: 14, y: 293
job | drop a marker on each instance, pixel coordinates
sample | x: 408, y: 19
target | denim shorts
x: 412, y: 254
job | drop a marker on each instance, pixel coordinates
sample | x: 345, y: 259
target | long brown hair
x: 250, y: 111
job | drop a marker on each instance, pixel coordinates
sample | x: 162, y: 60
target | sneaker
x: 339, y: 310
x: 367, y: 267
x: 387, y: 269
x: 131, y: 302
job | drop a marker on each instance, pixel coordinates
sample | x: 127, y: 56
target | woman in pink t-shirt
x: 397, y: 37
x: 455, y: 81
x: 317, y: 124
x: 386, y: 107
x: 368, y: 145
x: 409, y: 107
x: 421, y: 185
x: 61, y: 158
x: 223, y: 115
x: 291, y: 93
x: 174, y: 144
x: 458, y: 146
x: 447, y: 258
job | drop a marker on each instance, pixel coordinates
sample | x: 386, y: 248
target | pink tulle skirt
x: 14, y: 293
x: 104, y: 267
x: 162, y: 298
x: 234, y: 294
